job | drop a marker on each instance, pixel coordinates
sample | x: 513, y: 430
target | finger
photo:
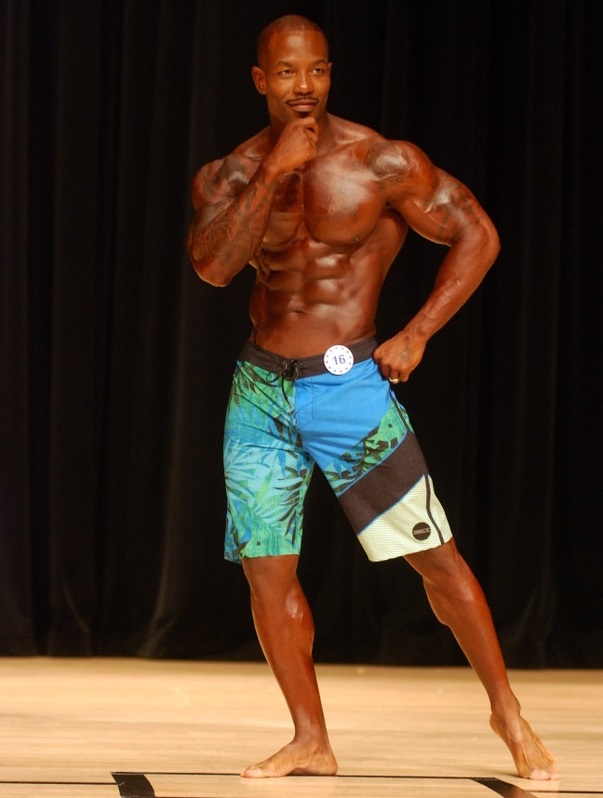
x: 304, y: 122
x: 310, y: 127
x: 311, y: 136
x: 309, y: 121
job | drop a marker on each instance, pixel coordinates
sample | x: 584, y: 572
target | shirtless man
x: 320, y: 208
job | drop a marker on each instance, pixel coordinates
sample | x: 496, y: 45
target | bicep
x: 434, y: 203
x: 442, y: 209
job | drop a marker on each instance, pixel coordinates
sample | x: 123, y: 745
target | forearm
x: 462, y: 271
x: 221, y: 247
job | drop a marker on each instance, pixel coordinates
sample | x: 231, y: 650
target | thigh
x: 266, y: 469
x: 366, y: 447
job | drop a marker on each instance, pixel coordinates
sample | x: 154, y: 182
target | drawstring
x: 290, y: 370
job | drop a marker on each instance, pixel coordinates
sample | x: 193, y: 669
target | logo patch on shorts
x: 421, y: 531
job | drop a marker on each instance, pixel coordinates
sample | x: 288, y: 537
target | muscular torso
x: 330, y: 241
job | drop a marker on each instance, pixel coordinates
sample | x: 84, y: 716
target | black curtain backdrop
x: 116, y: 360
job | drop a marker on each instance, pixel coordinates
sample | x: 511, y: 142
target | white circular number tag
x: 338, y: 359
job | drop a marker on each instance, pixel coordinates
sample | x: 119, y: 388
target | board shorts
x: 284, y: 417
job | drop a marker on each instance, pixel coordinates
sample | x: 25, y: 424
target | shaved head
x: 290, y: 22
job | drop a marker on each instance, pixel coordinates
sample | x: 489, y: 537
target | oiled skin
x: 320, y: 207
x: 330, y: 230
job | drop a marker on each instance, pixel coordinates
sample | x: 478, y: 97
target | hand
x: 295, y: 146
x: 399, y: 356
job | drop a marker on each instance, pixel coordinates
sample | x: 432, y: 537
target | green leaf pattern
x: 265, y: 513
x: 370, y: 451
x: 262, y: 508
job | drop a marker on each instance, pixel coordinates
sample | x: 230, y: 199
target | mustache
x: 303, y: 101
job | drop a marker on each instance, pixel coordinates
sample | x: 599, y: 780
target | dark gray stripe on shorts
x: 385, y: 484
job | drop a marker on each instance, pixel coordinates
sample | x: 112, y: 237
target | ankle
x: 313, y: 737
x: 504, y: 705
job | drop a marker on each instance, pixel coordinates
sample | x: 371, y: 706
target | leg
x: 285, y: 629
x: 458, y: 601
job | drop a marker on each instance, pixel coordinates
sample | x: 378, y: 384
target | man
x: 320, y: 207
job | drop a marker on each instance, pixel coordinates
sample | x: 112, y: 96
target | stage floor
x: 105, y: 728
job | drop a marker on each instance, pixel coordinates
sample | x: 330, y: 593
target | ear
x: 259, y: 78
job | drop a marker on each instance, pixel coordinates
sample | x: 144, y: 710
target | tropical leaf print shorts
x: 286, y: 416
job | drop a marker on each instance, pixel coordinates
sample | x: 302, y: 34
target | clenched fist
x: 295, y: 146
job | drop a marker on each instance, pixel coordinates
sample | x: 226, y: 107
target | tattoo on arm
x: 235, y: 232
x: 214, y: 235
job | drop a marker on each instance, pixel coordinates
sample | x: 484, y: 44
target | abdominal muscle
x: 310, y: 295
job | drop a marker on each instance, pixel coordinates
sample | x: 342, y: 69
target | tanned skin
x: 320, y: 207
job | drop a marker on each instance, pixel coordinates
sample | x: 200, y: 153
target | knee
x: 275, y: 588
x: 450, y: 593
x: 449, y: 583
x: 270, y: 578
x: 440, y: 565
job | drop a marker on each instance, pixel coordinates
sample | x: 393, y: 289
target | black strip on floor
x: 133, y: 785
x: 504, y: 788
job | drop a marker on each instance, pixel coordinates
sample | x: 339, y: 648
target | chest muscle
x: 331, y: 207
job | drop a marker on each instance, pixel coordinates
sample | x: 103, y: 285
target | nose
x: 303, y: 82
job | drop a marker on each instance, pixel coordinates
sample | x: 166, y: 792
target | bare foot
x: 532, y: 759
x: 295, y: 759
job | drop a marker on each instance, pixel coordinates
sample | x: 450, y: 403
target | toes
x: 544, y: 775
x: 254, y: 772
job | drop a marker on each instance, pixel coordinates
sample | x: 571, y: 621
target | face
x: 295, y: 75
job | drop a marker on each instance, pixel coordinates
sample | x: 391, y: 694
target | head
x: 293, y: 71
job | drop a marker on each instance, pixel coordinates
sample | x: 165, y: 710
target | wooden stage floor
x: 101, y: 728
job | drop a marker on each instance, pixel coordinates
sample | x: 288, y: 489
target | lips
x: 302, y: 105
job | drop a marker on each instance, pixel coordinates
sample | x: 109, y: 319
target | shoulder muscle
x: 221, y: 181
x: 400, y: 167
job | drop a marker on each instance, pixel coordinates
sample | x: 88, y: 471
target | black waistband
x: 293, y: 368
